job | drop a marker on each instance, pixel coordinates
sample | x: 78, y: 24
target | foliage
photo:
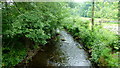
x: 13, y: 55
x: 38, y: 21
x: 108, y: 10
x: 29, y: 22
x: 100, y: 42
x: 40, y: 24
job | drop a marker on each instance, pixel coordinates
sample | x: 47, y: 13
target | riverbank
x: 33, y: 52
x: 101, y: 43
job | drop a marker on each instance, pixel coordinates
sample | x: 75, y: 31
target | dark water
x: 66, y: 52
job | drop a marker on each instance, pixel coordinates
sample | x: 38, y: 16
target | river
x: 66, y: 52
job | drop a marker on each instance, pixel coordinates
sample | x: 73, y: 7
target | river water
x: 66, y: 52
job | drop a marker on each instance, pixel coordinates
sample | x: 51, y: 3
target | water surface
x: 66, y: 52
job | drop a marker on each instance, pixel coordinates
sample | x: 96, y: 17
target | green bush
x: 13, y: 57
x: 31, y: 26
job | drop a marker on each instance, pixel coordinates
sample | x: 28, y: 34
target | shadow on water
x: 66, y: 52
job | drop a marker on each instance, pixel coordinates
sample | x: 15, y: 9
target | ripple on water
x: 64, y: 53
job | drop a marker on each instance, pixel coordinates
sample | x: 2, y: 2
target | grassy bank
x: 102, y: 44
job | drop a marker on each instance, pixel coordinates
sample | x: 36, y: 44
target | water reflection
x: 64, y: 53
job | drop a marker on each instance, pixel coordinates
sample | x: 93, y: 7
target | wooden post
x: 93, y: 15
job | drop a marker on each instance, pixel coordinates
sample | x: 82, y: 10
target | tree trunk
x: 93, y: 14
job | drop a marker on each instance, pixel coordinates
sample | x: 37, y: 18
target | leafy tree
x: 107, y: 10
x: 29, y: 24
x: 38, y: 24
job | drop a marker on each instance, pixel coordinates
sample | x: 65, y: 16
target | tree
x: 29, y: 24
